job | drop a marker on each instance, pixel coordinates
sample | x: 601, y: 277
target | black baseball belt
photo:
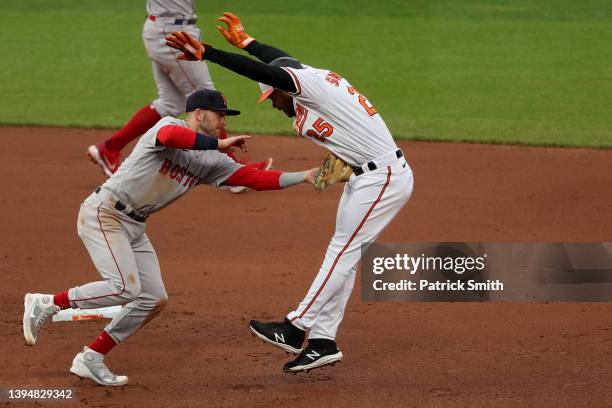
x: 358, y: 170
x: 124, y: 208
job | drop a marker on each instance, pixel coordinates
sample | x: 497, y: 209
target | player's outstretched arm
x: 257, y: 71
x: 178, y: 137
x: 269, y: 179
x: 235, y: 35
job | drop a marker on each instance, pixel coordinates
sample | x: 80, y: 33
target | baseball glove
x: 332, y: 171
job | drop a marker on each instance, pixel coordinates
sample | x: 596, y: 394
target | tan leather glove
x: 332, y: 171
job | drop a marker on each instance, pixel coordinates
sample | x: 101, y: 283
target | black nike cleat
x: 280, y: 334
x: 318, y: 353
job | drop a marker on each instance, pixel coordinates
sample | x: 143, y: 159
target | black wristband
x: 205, y: 142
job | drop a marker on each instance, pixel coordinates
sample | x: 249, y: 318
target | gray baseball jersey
x: 150, y: 178
x: 153, y: 176
x: 171, y: 8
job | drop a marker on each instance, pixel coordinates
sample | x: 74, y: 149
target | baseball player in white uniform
x: 329, y: 111
x: 170, y: 159
x: 175, y: 80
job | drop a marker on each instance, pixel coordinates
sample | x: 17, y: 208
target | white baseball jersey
x: 153, y: 176
x: 171, y: 8
x: 336, y: 116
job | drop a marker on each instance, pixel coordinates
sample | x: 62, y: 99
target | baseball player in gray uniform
x: 169, y: 160
x: 175, y: 81
x: 330, y: 112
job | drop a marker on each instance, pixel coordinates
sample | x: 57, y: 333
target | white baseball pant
x: 368, y: 204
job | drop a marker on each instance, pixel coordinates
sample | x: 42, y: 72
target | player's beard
x: 208, y: 130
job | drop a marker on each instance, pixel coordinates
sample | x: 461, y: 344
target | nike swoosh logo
x: 404, y: 165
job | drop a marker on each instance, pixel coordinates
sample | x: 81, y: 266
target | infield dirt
x: 228, y: 258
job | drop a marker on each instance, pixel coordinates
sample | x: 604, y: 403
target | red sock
x: 61, y: 300
x: 142, y: 121
x: 103, y: 343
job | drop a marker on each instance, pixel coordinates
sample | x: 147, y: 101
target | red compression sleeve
x: 176, y: 137
x: 255, y: 178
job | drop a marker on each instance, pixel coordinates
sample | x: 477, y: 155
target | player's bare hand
x: 192, y: 49
x: 310, y: 175
x: 235, y: 141
x: 234, y: 33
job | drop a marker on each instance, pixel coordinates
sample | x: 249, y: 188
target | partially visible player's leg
x: 109, y: 246
x: 369, y: 204
x: 134, y: 315
x: 151, y: 300
x: 170, y: 99
x: 374, y: 201
x: 169, y: 102
x: 104, y: 234
x: 288, y: 335
x: 141, y: 121
x: 107, y: 153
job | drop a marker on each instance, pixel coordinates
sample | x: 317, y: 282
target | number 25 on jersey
x: 321, y: 129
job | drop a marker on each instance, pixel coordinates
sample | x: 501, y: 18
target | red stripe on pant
x: 347, y: 245
x: 116, y: 264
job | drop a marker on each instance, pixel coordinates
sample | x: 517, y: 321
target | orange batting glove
x: 192, y: 49
x: 236, y: 35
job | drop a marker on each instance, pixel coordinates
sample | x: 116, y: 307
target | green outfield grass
x: 507, y: 71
